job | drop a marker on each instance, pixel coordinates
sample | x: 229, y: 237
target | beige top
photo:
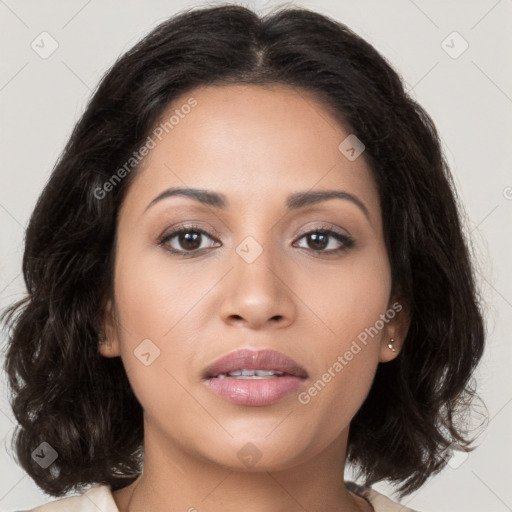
x: 99, y: 497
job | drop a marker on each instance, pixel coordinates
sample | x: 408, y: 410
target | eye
x: 321, y: 238
x: 190, y: 239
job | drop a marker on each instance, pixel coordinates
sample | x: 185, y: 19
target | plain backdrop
x: 467, y: 91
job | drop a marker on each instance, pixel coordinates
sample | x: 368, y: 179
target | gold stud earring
x: 390, y: 344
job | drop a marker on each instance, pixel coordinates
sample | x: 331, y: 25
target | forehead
x: 250, y: 142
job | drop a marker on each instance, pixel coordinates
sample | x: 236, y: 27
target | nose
x: 256, y: 294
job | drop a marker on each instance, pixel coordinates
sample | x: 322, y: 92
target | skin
x: 256, y: 145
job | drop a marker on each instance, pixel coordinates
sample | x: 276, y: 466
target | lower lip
x: 255, y: 392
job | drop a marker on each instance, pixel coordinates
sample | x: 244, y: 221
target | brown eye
x: 319, y: 240
x: 186, y: 239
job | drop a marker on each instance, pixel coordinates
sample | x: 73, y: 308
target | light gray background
x: 469, y: 98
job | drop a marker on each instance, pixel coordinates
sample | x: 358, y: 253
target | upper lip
x: 254, y: 360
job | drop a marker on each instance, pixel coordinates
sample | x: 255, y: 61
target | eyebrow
x: 293, y: 201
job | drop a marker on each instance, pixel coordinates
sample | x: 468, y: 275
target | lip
x: 255, y: 360
x: 258, y: 392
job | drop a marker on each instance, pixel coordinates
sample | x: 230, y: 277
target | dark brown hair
x: 65, y: 393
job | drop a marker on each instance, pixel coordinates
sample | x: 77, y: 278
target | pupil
x: 315, y: 238
x: 190, y: 240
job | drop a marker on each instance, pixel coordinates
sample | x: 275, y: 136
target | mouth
x: 247, y: 363
x: 254, y: 378
x: 246, y: 374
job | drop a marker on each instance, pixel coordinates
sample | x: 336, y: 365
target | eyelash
x: 346, y: 240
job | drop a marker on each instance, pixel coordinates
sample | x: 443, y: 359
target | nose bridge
x: 257, y: 265
x: 257, y: 290
x: 255, y: 251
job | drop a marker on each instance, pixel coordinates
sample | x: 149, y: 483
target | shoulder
x: 379, y: 501
x: 98, y: 497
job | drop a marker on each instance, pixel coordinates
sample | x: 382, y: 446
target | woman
x: 246, y: 272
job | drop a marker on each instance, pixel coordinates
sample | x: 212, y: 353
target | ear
x: 109, y: 341
x: 397, y: 326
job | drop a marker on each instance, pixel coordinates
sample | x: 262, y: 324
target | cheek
x: 153, y: 308
x: 155, y: 294
x: 349, y: 302
x: 351, y: 296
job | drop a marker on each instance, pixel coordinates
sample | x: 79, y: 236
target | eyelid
x: 328, y: 227
x: 209, y: 231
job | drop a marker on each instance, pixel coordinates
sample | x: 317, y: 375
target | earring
x: 390, y: 344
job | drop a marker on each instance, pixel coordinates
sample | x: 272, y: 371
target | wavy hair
x: 65, y: 393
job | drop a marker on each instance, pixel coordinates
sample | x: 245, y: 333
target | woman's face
x: 257, y: 280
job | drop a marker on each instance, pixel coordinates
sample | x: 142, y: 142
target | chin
x: 251, y: 454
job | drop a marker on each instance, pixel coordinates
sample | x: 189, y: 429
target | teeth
x: 251, y: 374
